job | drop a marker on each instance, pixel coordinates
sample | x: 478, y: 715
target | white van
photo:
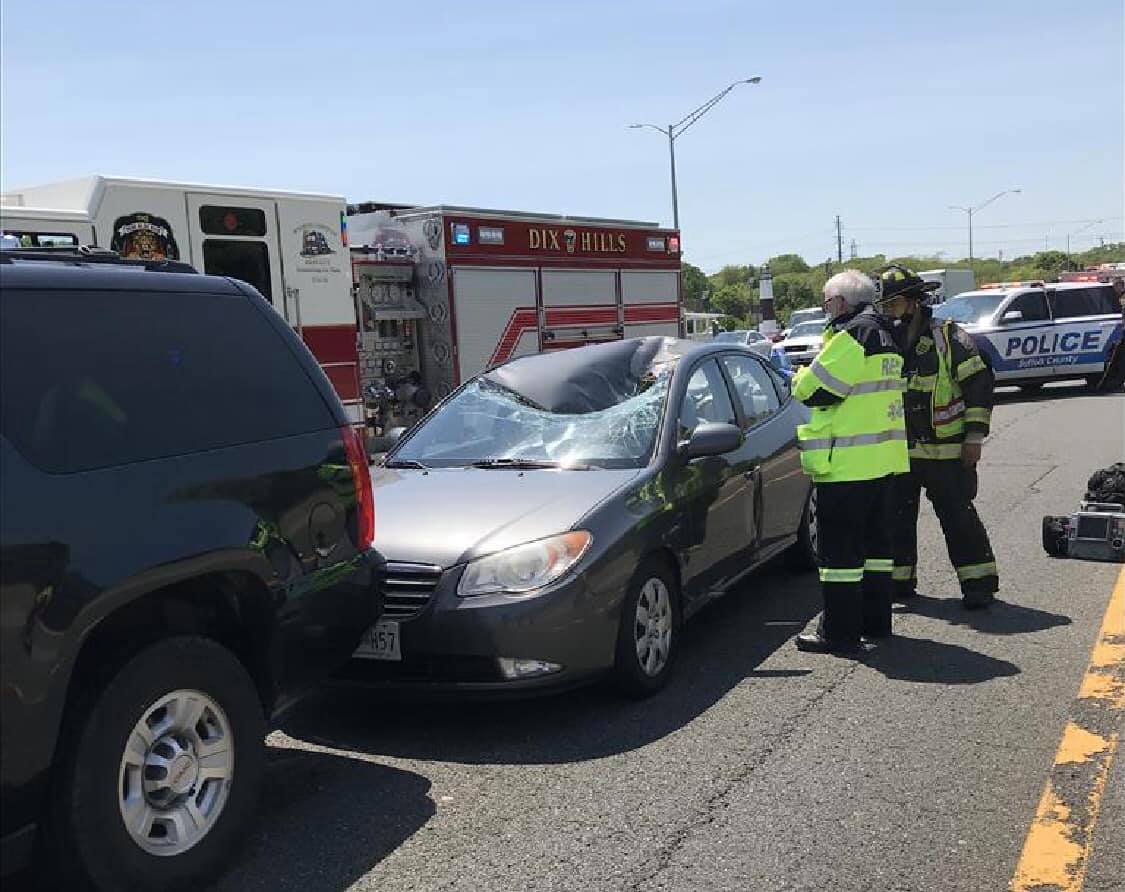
x: 1034, y: 332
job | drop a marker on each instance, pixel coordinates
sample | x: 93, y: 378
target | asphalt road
x: 760, y: 767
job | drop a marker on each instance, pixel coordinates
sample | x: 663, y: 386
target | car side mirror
x: 712, y: 438
x: 1012, y: 316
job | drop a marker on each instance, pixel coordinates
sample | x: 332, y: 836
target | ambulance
x: 291, y: 246
x: 1031, y: 333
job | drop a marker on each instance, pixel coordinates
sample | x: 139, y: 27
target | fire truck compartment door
x: 236, y: 236
x: 652, y: 302
x: 579, y: 307
x: 496, y: 316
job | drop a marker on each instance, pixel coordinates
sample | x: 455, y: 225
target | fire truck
x: 425, y: 298
x: 445, y: 292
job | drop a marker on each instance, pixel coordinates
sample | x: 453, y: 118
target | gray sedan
x: 559, y: 517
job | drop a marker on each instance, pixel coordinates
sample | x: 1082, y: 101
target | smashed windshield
x: 969, y: 307
x: 488, y: 422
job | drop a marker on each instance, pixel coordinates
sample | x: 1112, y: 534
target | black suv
x: 186, y: 522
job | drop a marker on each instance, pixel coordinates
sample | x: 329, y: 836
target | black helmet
x: 896, y: 281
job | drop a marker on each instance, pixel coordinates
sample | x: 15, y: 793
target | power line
x: 978, y: 226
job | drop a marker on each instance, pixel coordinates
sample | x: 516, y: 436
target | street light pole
x: 969, y: 211
x: 675, y: 197
x: 674, y: 131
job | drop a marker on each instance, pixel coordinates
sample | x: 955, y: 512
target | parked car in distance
x: 557, y: 518
x: 807, y: 314
x: 755, y: 340
x: 803, y: 342
x: 185, y: 530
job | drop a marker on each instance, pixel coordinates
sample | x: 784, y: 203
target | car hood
x: 452, y: 515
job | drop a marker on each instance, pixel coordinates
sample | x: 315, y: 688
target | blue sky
x: 884, y: 113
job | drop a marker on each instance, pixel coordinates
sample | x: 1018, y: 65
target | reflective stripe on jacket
x: 949, y: 391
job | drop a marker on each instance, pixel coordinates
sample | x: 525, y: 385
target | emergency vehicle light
x: 461, y: 234
x: 1033, y: 283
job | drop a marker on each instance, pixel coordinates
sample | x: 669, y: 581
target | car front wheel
x: 648, y: 636
x: 804, y: 553
x: 164, y: 771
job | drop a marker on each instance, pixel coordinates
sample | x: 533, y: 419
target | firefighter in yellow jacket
x: 948, y: 411
x: 853, y: 443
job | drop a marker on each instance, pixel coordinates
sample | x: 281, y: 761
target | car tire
x: 643, y: 665
x: 200, y: 781
x: 1054, y: 535
x: 1031, y: 387
x: 802, y: 554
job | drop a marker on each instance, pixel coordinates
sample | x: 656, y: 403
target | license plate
x: 380, y: 642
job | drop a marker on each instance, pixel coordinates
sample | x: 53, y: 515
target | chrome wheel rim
x: 176, y: 772
x: 814, y: 542
x: 652, y: 627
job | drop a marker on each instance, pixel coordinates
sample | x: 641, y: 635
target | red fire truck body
x: 445, y: 292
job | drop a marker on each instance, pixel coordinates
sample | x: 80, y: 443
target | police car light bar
x: 1033, y: 283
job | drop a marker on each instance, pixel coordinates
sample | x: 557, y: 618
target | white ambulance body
x: 291, y: 246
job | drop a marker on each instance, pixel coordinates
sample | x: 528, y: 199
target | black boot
x: 977, y: 600
x: 815, y: 642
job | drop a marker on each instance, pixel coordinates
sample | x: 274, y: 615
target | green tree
x: 732, y: 300
x: 787, y: 263
x: 694, y: 282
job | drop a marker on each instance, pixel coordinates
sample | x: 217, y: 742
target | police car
x: 1034, y: 332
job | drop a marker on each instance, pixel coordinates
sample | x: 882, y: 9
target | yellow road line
x: 1057, y: 851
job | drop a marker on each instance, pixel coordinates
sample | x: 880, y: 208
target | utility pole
x: 854, y: 251
x: 839, y: 241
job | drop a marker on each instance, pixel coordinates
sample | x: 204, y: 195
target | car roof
x: 100, y: 276
x: 598, y: 376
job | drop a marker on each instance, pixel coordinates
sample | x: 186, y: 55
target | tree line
x: 734, y: 289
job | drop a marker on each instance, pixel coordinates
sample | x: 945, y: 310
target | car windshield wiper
x: 526, y: 464
x: 406, y: 463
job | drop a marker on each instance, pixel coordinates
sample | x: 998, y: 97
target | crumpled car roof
x: 589, y: 379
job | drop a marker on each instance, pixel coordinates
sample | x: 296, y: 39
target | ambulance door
x: 237, y: 236
x: 495, y: 309
x: 580, y: 306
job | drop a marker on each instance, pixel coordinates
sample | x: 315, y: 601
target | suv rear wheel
x: 164, y: 770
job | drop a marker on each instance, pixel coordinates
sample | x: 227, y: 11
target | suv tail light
x: 361, y: 477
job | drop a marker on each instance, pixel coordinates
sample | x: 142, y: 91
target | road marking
x: 1057, y: 851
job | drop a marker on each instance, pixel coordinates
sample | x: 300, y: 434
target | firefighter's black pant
x: 951, y: 487
x: 856, y: 545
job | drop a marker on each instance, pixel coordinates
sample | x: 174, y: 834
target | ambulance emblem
x: 142, y: 236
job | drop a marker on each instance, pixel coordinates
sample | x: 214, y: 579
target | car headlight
x: 524, y: 568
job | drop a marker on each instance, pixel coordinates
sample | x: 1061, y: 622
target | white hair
x: 854, y: 287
